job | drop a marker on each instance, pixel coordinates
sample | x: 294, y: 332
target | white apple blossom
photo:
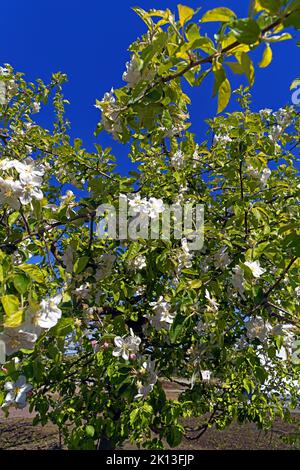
x: 255, y: 268
x: 4, y: 71
x: 49, y: 313
x: 36, y: 106
x: 206, y: 375
x: 138, y: 205
x: 184, y: 257
x: 146, y: 387
x: 139, y: 262
x: 30, y: 188
x: 238, y: 280
x: 17, y: 393
x: 83, y: 291
x: 297, y: 291
x: 8, y: 164
x: 111, y: 113
x: 266, y: 173
x: 287, y: 331
x: 257, y: 328
x: 10, y: 192
x: 2, y: 93
x: 265, y: 113
x: 163, y: 318
x: 177, y: 159
x: 30, y: 169
x: 221, y: 258
x: 222, y: 139
x: 213, y: 305
x: 126, y: 346
x: 132, y: 75
x: 151, y: 208
x: 68, y: 201
x: 155, y: 207
x: 17, y: 338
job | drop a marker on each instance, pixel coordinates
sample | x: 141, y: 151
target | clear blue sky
x: 88, y: 41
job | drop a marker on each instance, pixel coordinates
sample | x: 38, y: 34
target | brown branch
x: 225, y: 50
x: 284, y: 272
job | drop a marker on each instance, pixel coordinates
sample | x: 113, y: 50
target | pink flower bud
x: 94, y: 344
x: 105, y: 345
x: 132, y: 357
x: 4, y: 369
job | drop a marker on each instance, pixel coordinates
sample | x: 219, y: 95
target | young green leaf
x: 185, y: 14
x: 266, y: 58
x: 218, y: 14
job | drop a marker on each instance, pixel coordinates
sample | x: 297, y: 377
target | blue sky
x: 88, y: 41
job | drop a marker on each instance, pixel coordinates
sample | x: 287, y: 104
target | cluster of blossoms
x: 163, y: 317
x: 262, y: 177
x: 238, y: 279
x: 184, y: 257
x: 15, y: 192
x: 36, y: 320
x: 177, y: 159
x: 151, y: 207
x: 133, y: 74
x: 8, y: 88
x: 258, y: 328
x: 149, y: 374
x: 127, y: 347
x: 139, y: 262
x: 111, y: 114
x: 212, y: 304
x: 221, y: 258
x: 222, y: 139
x: 281, y: 119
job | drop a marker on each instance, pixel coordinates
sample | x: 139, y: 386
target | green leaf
x: 272, y: 6
x: 185, y: 14
x: 14, y: 319
x: 143, y: 15
x: 292, y: 242
x: 33, y: 271
x: 224, y: 95
x: 177, y: 327
x: 218, y: 14
x: 220, y: 76
x: 81, y: 264
x: 12, y: 218
x: 266, y: 58
x: 293, y: 20
x: 247, y: 66
x: 21, y: 282
x: 154, y: 48
x: 235, y: 67
x: 90, y: 430
x: 174, y: 436
x: 195, y: 284
x: 246, y: 31
x: 63, y: 327
x: 10, y: 304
